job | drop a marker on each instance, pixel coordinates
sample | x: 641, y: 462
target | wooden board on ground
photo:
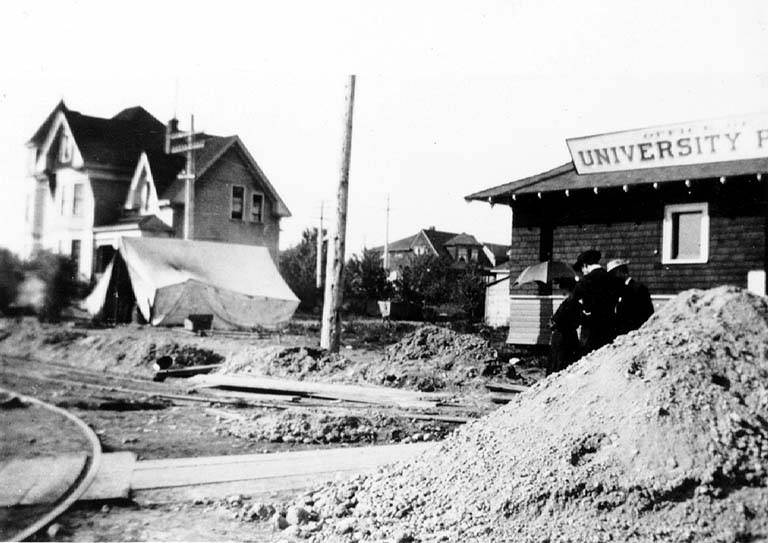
x: 286, y: 467
x: 498, y: 387
x: 113, y: 480
x: 353, y: 393
x: 189, y: 371
x: 39, y: 480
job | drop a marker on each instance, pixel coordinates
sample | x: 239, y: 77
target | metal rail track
x: 80, y: 486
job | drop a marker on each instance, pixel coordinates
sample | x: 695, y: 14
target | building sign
x: 734, y: 138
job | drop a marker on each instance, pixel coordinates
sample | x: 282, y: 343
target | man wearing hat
x: 634, y: 305
x: 597, y: 293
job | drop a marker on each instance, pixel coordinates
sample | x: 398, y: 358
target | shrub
x: 11, y: 276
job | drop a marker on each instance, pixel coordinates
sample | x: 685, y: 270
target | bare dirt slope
x: 661, y: 436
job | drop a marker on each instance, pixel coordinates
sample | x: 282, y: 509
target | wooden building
x: 686, y: 204
x: 94, y: 180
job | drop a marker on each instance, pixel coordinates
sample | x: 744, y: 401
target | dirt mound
x: 325, y: 427
x: 128, y: 349
x: 294, y: 362
x: 660, y: 436
x: 435, y: 358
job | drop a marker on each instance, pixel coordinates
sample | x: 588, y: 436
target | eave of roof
x: 216, y: 146
x: 565, y: 177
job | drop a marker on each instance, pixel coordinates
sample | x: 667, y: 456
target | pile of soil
x: 125, y: 349
x: 325, y: 427
x: 435, y: 358
x: 294, y: 362
x: 660, y: 436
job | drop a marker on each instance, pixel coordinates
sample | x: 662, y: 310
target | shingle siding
x: 629, y: 225
x: 213, y: 193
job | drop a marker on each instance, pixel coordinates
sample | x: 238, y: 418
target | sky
x: 451, y: 97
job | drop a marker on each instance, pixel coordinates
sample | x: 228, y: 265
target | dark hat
x: 592, y: 256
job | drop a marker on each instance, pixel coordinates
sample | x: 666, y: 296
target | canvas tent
x: 167, y: 280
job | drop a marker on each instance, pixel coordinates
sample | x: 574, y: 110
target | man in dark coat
x: 564, y: 341
x: 634, y: 305
x: 597, y: 293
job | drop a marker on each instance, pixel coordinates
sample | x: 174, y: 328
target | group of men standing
x: 603, y: 302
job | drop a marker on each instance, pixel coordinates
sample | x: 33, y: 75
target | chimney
x: 172, y: 128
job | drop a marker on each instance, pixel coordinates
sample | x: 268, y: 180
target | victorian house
x: 94, y: 180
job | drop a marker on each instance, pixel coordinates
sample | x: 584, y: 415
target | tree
x: 298, y: 266
x: 426, y: 279
x: 61, y: 285
x: 365, y: 277
x: 11, y: 275
x: 468, y: 290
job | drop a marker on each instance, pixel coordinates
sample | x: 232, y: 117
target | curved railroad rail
x: 80, y: 486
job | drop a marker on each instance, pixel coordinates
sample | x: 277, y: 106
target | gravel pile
x: 435, y: 358
x: 660, y: 436
x: 327, y: 427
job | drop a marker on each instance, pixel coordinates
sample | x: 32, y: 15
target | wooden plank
x: 186, y: 372
x: 113, y: 480
x: 298, y: 457
x: 502, y: 387
x: 353, y: 393
x: 43, y: 479
x: 198, y: 471
x: 17, y: 476
x: 54, y: 477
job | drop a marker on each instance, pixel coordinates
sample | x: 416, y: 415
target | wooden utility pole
x: 330, y: 333
x: 386, y: 239
x: 188, y: 147
x: 319, y: 256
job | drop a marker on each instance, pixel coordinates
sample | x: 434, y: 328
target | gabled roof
x: 116, y: 142
x: 500, y: 252
x: 438, y: 238
x: 214, y: 149
x: 462, y: 239
x: 398, y: 245
x: 565, y: 177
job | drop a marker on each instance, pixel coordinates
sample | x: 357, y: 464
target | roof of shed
x: 565, y: 177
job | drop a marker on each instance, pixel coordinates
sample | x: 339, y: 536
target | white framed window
x: 257, y: 207
x: 237, y: 204
x: 77, y: 200
x: 685, y: 234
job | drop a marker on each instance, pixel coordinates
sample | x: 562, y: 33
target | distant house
x: 94, y: 180
x: 461, y: 248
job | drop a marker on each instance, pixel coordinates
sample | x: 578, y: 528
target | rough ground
x: 327, y: 426
x: 661, y: 436
x: 427, y: 359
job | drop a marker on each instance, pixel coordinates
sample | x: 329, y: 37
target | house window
x: 65, y: 149
x: 77, y: 200
x: 257, y: 206
x: 238, y: 198
x: 63, y: 192
x: 685, y: 234
x: 74, y: 255
x: 462, y: 254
